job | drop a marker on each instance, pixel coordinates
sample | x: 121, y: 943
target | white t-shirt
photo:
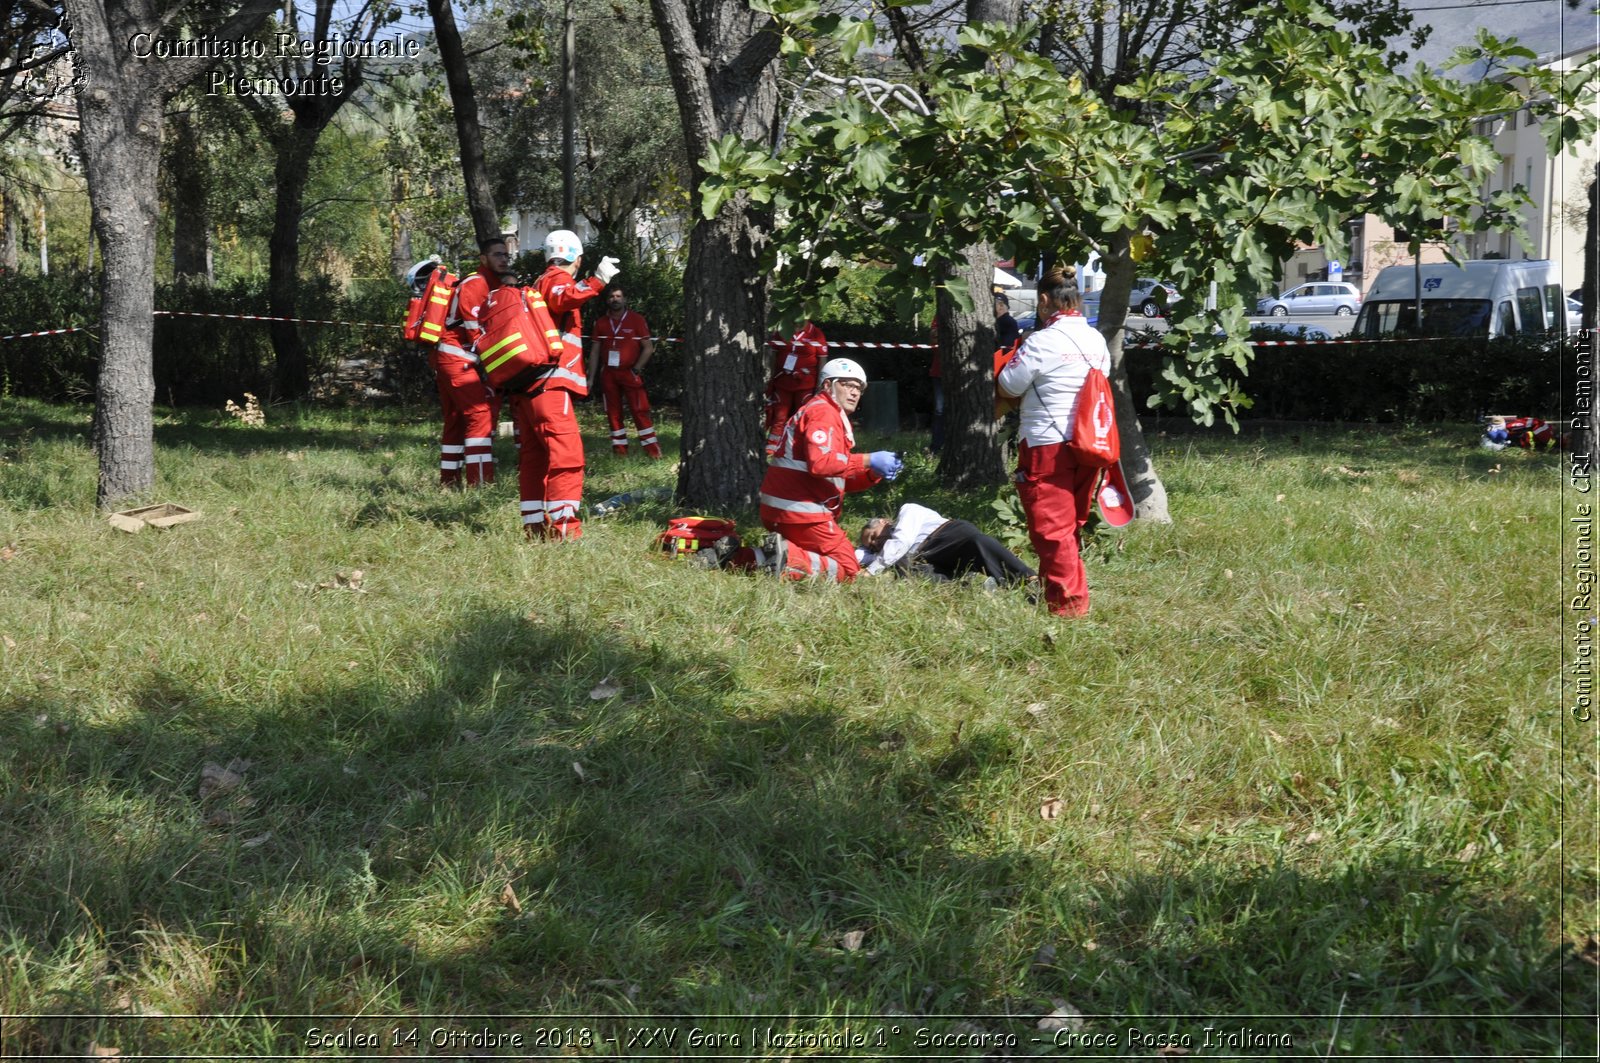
x: 912, y: 526
x: 1047, y: 374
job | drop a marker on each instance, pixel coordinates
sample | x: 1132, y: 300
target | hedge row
x: 205, y: 361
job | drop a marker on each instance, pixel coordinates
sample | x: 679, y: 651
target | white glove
x: 606, y: 269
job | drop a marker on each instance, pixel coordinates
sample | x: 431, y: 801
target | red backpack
x: 1095, y: 443
x: 687, y: 536
x: 425, y: 313
x: 520, y: 343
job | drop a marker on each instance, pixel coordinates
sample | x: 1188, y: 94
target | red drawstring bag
x: 1094, y: 442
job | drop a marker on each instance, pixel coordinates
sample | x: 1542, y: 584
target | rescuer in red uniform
x: 550, y: 466
x: 803, y: 491
x: 466, y: 443
x: 794, y: 377
x: 620, y: 350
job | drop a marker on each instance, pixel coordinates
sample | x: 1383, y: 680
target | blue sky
x: 1546, y: 26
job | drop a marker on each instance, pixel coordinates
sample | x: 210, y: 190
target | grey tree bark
x: 722, y: 59
x: 1591, y: 313
x: 458, y: 76
x: 1149, y: 493
x: 974, y: 452
x: 295, y: 144
x: 120, y: 105
x: 8, y: 232
x: 190, y: 184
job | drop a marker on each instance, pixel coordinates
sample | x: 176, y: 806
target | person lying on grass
x: 920, y: 540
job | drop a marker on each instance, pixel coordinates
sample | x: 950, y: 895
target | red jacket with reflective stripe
x: 807, y: 478
x: 562, y: 297
x: 467, y: 305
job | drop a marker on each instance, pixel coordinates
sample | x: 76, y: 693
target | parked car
x: 1152, y: 297
x: 1322, y: 297
x: 1289, y: 331
x: 1574, y: 315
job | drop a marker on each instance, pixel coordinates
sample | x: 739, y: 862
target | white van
x: 1479, y: 297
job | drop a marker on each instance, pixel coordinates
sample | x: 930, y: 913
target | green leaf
x: 872, y: 164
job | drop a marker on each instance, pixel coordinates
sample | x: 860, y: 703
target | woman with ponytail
x: 1046, y: 375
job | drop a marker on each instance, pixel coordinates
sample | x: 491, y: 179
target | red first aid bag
x: 425, y: 314
x: 519, y: 344
x: 1094, y: 442
x: 686, y: 536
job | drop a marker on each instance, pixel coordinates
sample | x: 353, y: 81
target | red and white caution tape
x: 264, y: 317
x: 46, y: 332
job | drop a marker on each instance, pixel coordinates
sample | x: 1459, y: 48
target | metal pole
x: 569, y: 121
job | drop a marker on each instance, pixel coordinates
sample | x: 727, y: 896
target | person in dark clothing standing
x: 1005, y: 326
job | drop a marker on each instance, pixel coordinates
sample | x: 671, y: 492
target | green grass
x: 1308, y: 749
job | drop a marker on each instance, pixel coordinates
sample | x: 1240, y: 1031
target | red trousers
x: 818, y: 549
x: 466, y: 444
x: 623, y: 386
x: 549, y: 465
x: 781, y: 405
x: 1056, y: 495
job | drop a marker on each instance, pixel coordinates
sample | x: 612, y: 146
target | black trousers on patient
x: 957, y: 547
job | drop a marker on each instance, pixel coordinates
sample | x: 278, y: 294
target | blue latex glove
x: 885, y: 463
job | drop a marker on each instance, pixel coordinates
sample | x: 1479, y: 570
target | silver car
x: 1320, y: 297
x: 1151, y: 297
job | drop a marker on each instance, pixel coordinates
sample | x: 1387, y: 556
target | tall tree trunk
x: 1149, y: 493
x: 974, y: 453
x: 458, y: 76
x: 292, y: 171
x: 1591, y: 314
x: 119, y: 106
x: 8, y: 232
x: 722, y: 59
x: 724, y: 361
x: 191, y: 231
x: 122, y: 152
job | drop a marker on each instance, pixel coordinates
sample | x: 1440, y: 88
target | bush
x: 1451, y: 379
x: 55, y: 367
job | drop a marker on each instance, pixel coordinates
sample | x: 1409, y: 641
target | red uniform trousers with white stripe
x: 1056, y: 495
x: 819, y: 549
x: 550, y: 464
x: 466, y: 443
x: 619, y: 386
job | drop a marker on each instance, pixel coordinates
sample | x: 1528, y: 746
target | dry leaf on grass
x: 577, y: 769
x: 1469, y: 852
x: 851, y: 941
x: 1050, y: 808
x: 508, y: 897
x: 10, y: 645
x: 1065, y: 1017
x: 1172, y: 1050
x: 607, y: 688
x: 1037, y: 709
x: 256, y: 842
x: 7, y: 552
x: 98, y: 1051
x: 216, y: 779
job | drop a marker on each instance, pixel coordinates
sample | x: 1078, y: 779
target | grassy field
x: 347, y: 746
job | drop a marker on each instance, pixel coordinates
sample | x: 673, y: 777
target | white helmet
x: 562, y: 245
x: 417, y: 276
x: 842, y: 369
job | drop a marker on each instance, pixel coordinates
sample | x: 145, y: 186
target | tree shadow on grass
x: 568, y: 818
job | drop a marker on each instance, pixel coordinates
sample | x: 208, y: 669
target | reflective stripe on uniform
x: 791, y: 506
